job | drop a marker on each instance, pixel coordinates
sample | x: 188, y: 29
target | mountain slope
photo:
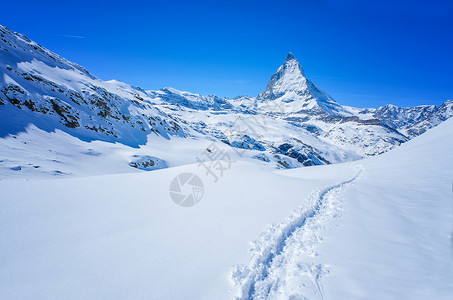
x: 42, y: 88
x: 413, y: 121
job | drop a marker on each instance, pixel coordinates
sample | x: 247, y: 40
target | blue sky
x: 363, y: 53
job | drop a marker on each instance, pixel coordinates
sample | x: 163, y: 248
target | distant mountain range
x: 291, y: 123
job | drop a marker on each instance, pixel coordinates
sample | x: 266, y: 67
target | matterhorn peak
x: 289, y: 77
x: 297, y: 93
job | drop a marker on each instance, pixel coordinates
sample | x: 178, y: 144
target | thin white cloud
x: 72, y: 36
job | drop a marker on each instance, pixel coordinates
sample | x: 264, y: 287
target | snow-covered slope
x: 394, y: 239
x: 190, y: 100
x: 378, y: 228
x: 41, y: 88
x: 384, y: 234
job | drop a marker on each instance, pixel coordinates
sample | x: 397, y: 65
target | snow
x: 383, y: 234
x: 88, y: 215
x: 121, y: 236
x: 394, y: 240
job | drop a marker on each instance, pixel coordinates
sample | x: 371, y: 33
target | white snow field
x: 384, y: 234
x: 378, y: 228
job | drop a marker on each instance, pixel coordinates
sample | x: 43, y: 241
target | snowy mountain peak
x: 288, y: 78
x: 294, y: 93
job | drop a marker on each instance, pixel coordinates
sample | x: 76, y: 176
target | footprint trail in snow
x: 281, y: 264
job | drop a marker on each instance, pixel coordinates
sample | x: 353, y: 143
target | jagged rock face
x: 413, y: 121
x: 445, y: 111
x: 292, y: 123
x: 147, y: 163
